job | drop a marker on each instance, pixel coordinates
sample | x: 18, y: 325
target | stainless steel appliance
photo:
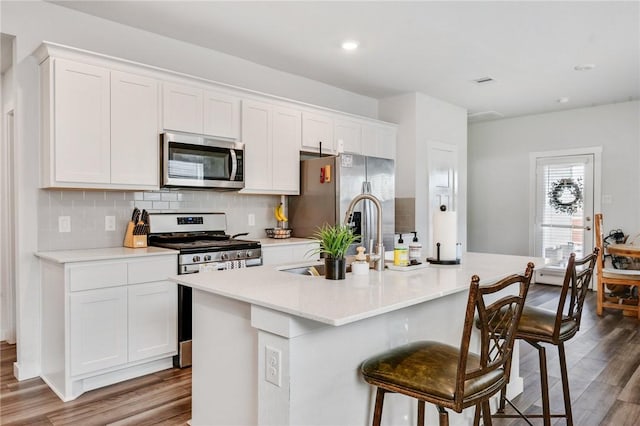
x: 204, y: 246
x: 327, y: 186
x: 196, y: 161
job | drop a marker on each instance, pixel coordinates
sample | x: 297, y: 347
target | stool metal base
x: 546, y: 414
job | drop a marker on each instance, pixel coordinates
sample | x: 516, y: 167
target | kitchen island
x: 276, y: 348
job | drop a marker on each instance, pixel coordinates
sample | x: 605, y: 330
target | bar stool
x: 452, y: 377
x: 539, y: 325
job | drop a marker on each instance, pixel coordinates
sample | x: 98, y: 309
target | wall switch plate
x: 251, y: 219
x: 272, y: 365
x: 109, y: 223
x: 64, y: 223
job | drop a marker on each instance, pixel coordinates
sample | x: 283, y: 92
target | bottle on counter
x: 401, y: 253
x: 360, y: 266
x: 415, y: 250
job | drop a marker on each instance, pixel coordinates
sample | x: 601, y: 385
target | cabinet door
x: 288, y: 253
x: 221, y: 115
x: 257, y: 121
x: 349, y: 134
x: 134, y: 130
x: 287, y: 134
x: 182, y: 108
x: 379, y: 141
x: 82, y: 124
x: 153, y: 319
x: 98, y: 329
x: 317, y: 128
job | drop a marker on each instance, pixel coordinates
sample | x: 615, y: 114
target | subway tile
x: 94, y: 195
x: 72, y: 195
x: 144, y: 205
x: 115, y: 195
x: 136, y: 196
x: 169, y: 196
x: 161, y: 205
x: 152, y: 196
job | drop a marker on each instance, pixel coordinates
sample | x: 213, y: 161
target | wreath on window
x: 565, y: 195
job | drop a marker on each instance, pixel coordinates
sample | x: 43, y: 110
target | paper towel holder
x: 436, y: 260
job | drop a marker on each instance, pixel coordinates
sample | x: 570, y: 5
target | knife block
x: 134, y: 241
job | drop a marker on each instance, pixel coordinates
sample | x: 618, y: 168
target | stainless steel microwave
x: 196, y: 161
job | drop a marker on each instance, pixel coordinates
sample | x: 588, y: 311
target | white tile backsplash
x: 87, y: 210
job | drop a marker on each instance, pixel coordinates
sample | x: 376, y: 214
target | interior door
x: 564, y: 202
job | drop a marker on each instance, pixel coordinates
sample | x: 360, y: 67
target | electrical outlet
x: 109, y: 223
x: 64, y: 223
x: 272, y: 365
x: 251, y: 219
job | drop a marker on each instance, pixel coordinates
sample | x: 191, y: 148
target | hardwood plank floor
x: 603, y: 362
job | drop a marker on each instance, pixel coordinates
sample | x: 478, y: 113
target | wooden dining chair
x: 453, y: 377
x: 610, y: 279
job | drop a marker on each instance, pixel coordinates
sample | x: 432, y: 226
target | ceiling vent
x: 484, y: 116
x: 484, y: 80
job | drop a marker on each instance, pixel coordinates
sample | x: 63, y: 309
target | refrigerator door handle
x: 368, y: 214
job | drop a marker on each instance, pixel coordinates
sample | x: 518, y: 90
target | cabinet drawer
x: 87, y: 277
x: 153, y: 270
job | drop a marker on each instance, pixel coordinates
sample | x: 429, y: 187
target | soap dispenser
x: 401, y: 253
x: 415, y: 250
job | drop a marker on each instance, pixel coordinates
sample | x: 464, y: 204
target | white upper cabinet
x: 195, y: 110
x: 287, y: 133
x: 134, y: 129
x: 81, y: 130
x: 316, y: 129
x: 221, y: 115
x: 257, y: 122
x: 182, y: 108
x: 271, y: 136
x: 379, y: 140
x: 100, y: 127
x: 347, y: 136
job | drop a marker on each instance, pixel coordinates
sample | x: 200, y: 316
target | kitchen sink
x: 314, y: 270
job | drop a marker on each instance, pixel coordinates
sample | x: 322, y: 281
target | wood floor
x: 603, y: 360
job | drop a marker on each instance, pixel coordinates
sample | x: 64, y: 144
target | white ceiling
x: 437, y: 48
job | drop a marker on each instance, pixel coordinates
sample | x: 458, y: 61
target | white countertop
x: 266, y: 242
x: 89, y: 255
x: 358, y: 296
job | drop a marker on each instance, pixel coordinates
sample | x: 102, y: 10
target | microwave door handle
x: 234, y: 165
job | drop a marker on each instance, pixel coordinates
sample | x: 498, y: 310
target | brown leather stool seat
x: 540, y: 323
x: 452, y: 377
x: 544, y: 326
x: 429, y: 368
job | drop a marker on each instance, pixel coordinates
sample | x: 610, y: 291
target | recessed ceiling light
x: 584, y: 67
x: 562, y: 100
x: 350, y: 45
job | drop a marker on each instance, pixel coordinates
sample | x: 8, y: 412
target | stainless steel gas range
x: 204, y: 245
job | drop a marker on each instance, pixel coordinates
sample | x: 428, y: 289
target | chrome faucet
x: 379, y: 262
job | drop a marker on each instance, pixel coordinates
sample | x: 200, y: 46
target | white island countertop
x: 357, y: 297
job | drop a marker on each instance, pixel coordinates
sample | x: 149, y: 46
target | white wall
x: 498, y: 174
x: 7, y: 260
x: 33, y: 22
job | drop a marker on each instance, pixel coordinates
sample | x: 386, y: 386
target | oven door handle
x: 234, y: 165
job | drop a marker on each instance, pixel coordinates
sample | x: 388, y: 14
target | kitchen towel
x: 444, y: 232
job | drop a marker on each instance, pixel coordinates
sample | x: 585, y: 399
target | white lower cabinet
x: 152, y: 319
x: 107, y: 321
x: 288, y: 253
x: 98, y: 329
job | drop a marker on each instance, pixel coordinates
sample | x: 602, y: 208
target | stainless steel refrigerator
x: 327, y: 186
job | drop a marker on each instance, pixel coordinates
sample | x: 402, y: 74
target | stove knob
x: 238, y: 255
x: 249, y: 254
x: 196, y: 258
x: 224, y: 256
x: 207, y: 258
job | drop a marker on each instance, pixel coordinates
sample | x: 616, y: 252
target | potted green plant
x: 334, y: 243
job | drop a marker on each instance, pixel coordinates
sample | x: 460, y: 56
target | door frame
x: 596, y: 151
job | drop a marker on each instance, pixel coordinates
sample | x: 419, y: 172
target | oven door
x: 198, y: 162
